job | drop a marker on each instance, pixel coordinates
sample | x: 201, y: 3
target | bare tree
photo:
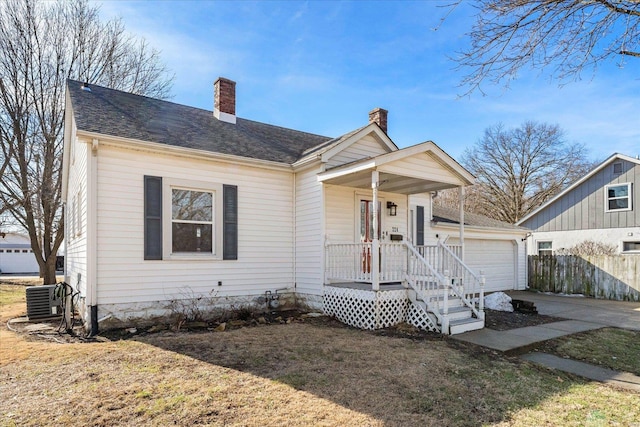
x: 563, y: 37
x: 519, y: 169
x: 42, y: 44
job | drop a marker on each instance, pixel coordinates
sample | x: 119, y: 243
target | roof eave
x: 456, y: 226
x: 185, y: 152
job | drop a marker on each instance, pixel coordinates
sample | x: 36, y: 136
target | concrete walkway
x: 584, y: 314
x: 597, y: 373
x: 521, y: 340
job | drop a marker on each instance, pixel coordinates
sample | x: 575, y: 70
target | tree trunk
x: 49, y: 270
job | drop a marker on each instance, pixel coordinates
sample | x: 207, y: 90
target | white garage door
x: 18, y: 261
x: 496, y: 258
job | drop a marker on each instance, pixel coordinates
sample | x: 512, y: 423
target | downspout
x: 92, y: 214
x: 295, y: 237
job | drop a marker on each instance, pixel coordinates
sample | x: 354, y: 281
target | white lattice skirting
x: 366, y: 309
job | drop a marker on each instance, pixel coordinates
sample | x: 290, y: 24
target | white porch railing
x: 349, y: 262
x: 352, y: 262
x: 433, y: 272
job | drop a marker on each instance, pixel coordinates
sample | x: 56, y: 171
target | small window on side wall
x: 544, y: 249
x: 618, y: 197
x: 631, y: 247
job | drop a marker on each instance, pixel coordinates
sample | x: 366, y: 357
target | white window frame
x: 168, y: 185
x: 633, y: 251
x: 629, y: 196
x: 538, y: 247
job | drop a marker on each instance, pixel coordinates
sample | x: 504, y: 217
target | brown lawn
x: 307, y: 373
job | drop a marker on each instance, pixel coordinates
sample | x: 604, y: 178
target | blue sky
x: 321, y: 66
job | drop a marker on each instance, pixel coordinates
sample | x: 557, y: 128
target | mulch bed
x: 496, y: 320
x: 504, y: 320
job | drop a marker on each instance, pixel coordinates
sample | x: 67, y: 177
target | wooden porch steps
x: 460, y: 316
x: 465, y: 325
x: 458, y: 313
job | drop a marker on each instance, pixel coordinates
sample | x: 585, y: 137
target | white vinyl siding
x: 364, y: 148
x: 309, y: 232
x: 342, y: 208
x: 76, y: 217
x: 423, y: 166
x: 265, y: 231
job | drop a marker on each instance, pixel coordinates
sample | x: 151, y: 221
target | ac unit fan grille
x: 42, y: 302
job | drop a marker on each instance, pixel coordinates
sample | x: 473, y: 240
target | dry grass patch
x: 297, y: 374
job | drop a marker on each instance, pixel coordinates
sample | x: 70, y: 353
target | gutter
x: 480, y: 228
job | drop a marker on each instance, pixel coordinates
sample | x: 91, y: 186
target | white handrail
x: 465, y: 284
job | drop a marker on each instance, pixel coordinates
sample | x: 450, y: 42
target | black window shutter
x: 419, y: 225
x: 230, y: 222
x: 152, y: 217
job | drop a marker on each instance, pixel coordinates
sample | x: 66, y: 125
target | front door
x: 367, y: 232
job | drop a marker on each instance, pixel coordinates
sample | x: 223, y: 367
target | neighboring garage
x: 494, y: 247
x: 16, y: 255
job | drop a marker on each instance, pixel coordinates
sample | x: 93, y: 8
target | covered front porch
x: 378, y: 270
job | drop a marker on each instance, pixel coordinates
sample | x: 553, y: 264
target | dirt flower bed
x: 504, y: 320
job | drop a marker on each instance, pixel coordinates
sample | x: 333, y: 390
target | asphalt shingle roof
x: 452, y: 216
x: 122, y: 114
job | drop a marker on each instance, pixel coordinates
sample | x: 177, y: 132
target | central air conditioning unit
x: 42, y: 302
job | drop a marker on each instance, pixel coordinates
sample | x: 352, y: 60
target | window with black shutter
x: 152, y: 217
x: 230, y: 222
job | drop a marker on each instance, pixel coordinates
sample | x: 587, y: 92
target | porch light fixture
x: 393, y: 208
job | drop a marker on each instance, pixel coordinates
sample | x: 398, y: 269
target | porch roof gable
x: 417, y: 169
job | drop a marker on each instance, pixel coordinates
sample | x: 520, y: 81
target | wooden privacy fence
x: 614, y: 277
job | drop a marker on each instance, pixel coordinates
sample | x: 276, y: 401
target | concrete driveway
x: 620, y: 314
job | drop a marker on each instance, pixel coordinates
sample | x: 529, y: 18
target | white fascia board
x: 156, y: 147
x: 68, y: 123
x: 489, y: 230
x: 383, y: 159
x: 371, y: 128
x: 347, y: 169
x: 425, y: 147
x: 577, y: 183
x: 305, y: 161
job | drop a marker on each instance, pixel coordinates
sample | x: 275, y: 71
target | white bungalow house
x: 166, y: 202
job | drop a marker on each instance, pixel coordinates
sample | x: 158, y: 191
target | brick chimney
x: 224, y: 100
x: 379, y: 116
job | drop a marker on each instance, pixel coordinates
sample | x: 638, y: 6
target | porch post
x: 375, y: 244
x: 461, y: 194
